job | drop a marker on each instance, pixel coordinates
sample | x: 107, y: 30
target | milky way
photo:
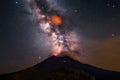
x: 50, y: 20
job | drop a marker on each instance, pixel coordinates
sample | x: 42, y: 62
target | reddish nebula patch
x: 57, y: 20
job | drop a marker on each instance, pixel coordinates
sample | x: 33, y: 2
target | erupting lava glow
x: 56, y: 20
x: 55, y: 54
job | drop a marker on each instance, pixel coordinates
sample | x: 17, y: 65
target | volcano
x: 62, y: 68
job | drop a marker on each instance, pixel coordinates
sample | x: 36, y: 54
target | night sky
x: 96, y: 22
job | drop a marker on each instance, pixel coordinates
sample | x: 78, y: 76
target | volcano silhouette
x: 62, y: 68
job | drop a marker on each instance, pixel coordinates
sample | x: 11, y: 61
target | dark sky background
x: 97, y: 22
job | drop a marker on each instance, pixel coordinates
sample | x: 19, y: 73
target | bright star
x: 16, y: 2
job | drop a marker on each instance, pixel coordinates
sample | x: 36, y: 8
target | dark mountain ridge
x: 61, y: 65
x: 100, y: 74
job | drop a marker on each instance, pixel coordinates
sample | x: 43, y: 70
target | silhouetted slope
x: 62, y: 68
x: 100, y: 74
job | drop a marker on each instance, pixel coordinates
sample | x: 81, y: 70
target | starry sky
x: 96, y: 22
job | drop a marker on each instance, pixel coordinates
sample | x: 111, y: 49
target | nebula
x: 56, y: 20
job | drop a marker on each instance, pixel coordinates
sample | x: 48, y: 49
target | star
x: 108, y: 4
x: 75, y: 10
x: 113, y: 6
x: 16, y: 2
x: 113, y: 35
x: 64, y: 61
x: 39, y: 57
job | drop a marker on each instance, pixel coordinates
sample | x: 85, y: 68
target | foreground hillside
x: 62, y: 68
x: 44, y: 74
